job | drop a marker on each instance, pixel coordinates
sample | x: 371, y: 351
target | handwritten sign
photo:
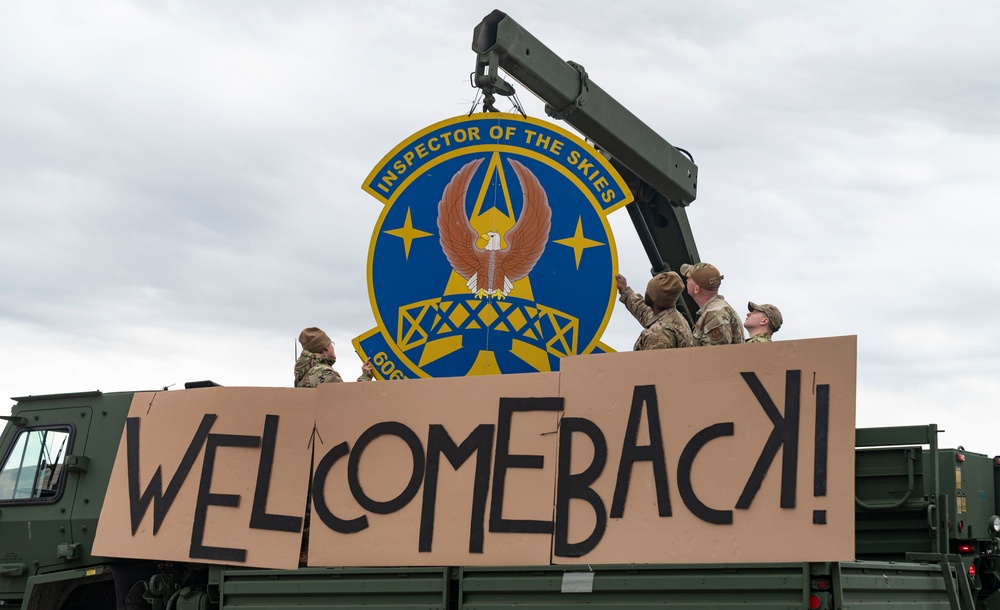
x: 216, y: 475
x: 716, y: 454
x: 701, y: 455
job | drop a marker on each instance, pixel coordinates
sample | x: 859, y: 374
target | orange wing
x: 458, y: 238
x: 527, y: 238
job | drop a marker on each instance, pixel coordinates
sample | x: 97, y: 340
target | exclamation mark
x: 822, y: 441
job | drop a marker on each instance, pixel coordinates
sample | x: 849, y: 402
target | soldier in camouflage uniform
x: 315, y: 364
x: 762, y: 321
x: 313, y: 367
x: 663, y: 326
x: 717, y: 323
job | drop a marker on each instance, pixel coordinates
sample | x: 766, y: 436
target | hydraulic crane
x: 663, y: 179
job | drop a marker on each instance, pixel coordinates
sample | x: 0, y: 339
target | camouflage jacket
x: 761, y: 338
x: 717, y: 324
x: 313, y: 369
x: 661, y: 331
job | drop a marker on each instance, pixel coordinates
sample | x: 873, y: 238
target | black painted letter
x: 259, y: 517
x: 206, y: 498
x: 393, y: 428
x: 570, y: 486
x: 642, y: 395
x: 343, y: 526
x: 480, y: 442
x: 684, y: 465
x: 508, y: 406
x: 138, y: 504
x: 784, y: 436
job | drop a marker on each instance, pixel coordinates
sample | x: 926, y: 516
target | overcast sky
x: 180, y: 182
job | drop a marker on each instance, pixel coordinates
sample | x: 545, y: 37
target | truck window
x: 34, y: 470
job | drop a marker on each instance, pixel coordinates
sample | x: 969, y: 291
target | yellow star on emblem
x: 407, y: 233
x: 578, y: 242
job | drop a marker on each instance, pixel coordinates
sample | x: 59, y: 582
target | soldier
x: 663, y: 325
x: 717, y: 323
x: 762, y: 321
x: 315, y: 364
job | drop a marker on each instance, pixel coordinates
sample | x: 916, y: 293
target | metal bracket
x: 16, y: 420
x: 77, y: 463
x: 581, y: 97
x: 68, y: 550
x: 489, y: 80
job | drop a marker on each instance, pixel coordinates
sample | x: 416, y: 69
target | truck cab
x: 57, y: 455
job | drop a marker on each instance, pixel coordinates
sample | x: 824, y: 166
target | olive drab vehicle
x: 925, y: 518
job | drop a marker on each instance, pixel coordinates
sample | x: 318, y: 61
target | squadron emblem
x: 520, y: 273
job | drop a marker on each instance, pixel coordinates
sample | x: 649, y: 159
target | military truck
x: 926, y: 535
x: 926, y: 522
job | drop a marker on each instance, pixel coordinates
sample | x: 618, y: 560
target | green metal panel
x: 101, y: 449
x: 369, y: 588
x: 896, y: 435
x: 886, y: 585
x: 772, y: 586
x: 893, y: 507
x: 901, y: 506
x: 969, y: 487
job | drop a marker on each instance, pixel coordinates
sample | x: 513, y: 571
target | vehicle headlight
x: 994, y: 525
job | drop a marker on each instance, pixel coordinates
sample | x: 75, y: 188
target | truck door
x: 38, y: 482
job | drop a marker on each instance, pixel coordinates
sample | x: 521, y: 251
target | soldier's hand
x: 621, y: 282
x: 366, y: 368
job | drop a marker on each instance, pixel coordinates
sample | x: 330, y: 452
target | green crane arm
x: 663, y: 180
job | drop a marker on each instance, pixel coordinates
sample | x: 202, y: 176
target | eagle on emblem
x: 492, y: 270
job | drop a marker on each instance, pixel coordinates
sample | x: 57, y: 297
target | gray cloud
x: 180, y: 182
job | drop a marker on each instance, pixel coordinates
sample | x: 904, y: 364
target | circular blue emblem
x: 493, y: 253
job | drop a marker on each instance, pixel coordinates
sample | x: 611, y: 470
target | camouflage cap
x: 772, y: 313
x: 703, y: 274
x: 664, y: 289
x: 314, y: 340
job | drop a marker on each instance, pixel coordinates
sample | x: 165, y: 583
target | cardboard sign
x: 493, y: 253
x: 216, y: 475
x: 701, y: 455
x: 436, y: 472
x: 737, y: 453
